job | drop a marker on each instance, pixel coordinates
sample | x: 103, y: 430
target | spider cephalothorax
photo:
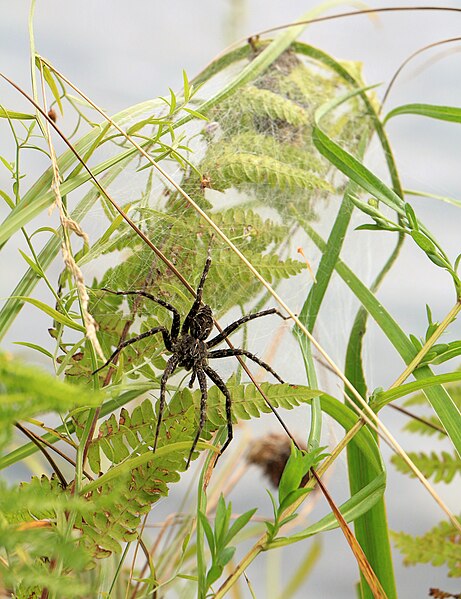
x: 190, y: 350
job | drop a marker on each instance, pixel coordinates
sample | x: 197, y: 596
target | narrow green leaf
x: 55, y: 315
x: 424, y: 243
x: 134, y: 462
x: 186, y: 86
x: 213, y: 574
x: 11, y: 114
x: 433, y: 111
x: 208, y: 531
x: 356, y: 171
x: 38, y: 348
x: 354, y: 507
x: 239, y: 523
x: 225, y: 556
x: 196, y: 114
x: 33, y: 265
x: 384, y: 397
x: 49, y: 78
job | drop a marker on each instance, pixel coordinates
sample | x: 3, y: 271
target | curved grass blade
x: 451, y: 114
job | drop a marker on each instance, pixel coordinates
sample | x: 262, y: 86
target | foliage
x: 290, y: 490
x: 261, y: 157
x: 440, y: 546
x: 441, y: 466
x: 219, y: 538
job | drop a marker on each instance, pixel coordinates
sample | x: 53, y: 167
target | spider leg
x: 192, y: 379
x: 203, y: 400
x: 225, y: 353
x: 175, y: 327
x: 238, y: 323
x: 149, y: 333
x: 198, y: 299
x: 169, y: 369
x: 217, y: 380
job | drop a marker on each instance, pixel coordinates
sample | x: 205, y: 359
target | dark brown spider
x: 190, y: 351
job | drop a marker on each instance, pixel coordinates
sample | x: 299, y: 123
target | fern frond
x: 133, y: 434
x: 234, y: 169
x: 263, y: 102
x: 33, y: 535
x: 252, y: 142
x: 441, y: 467
x: 440, y: 546
x: 420, y: 428
x: 26, y: 391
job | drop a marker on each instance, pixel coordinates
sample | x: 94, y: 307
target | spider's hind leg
x: 217, y: 380
x: 169, y: 369
x: 203, y: 400
x: 192, y: 380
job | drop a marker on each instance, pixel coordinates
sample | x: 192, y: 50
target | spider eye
x: 202, y: 323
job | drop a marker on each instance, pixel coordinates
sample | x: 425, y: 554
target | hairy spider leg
x: 175, y: 327
x: 217, y: 380
x: 238, y: 323
x: 225, y: 353
x: 169, y: 369
x: 203, y: 401
x: 192, y: 380
x: 198, y: 299
x: 149, y: 333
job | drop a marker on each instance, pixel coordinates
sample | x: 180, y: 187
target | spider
x: 190, y: 350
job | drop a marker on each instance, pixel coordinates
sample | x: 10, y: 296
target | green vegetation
x: 244, y: 173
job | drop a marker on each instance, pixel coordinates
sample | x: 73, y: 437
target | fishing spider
x: 190, y: 350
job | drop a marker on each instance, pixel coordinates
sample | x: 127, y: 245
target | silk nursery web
x: 252, y: 166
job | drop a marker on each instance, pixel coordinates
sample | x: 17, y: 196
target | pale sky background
x: 122, y: 53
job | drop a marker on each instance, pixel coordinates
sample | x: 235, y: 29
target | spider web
x: 254, y: 169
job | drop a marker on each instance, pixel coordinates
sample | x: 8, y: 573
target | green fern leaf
x: 133, y: 434
x: 440, y: 546
x: 263, y: 102
x: 26, y: 391
x: 421, y: 428
x: 234, y: 169
x: 442, y: 468
x: 32, y: 534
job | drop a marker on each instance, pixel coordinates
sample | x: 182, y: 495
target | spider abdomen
x: 191, y: 352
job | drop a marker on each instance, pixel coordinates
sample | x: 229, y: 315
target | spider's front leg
x: 149, y: 333
x: 176, y: 317
x: 198, y: 299
x: 238, y: 323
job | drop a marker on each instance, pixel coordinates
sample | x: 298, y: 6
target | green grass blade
x: 383, y: 398
x: 360, y: 503
x: 451, y: 114
x: 438, y: 397
x: 371, y: 529
x: 39, y: 196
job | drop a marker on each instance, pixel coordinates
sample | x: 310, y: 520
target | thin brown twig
x: 38, y: 442
x: 51, y: 446
x: 355, y: 13
x: 410, y: 58
x: 363, y: 563
x: 418, y: 418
